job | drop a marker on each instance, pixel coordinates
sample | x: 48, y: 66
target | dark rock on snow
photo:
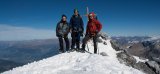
x: 128, y: 60
x: 103, y: 54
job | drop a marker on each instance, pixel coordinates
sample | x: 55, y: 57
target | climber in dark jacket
x: 62, y: 31
x: 76, y: 26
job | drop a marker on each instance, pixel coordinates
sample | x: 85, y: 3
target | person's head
x: 76, y: 12
x: 91, y: 15
x: 64, y: 18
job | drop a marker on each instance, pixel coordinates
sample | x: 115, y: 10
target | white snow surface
x: 78, y: 63
x: 140, y: 60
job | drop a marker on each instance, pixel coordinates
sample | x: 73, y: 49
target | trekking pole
x: 87, y: 46
x: 97, y: 48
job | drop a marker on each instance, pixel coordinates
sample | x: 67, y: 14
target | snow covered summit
x: 78, y: 63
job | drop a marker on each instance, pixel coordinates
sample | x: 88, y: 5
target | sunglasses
x: 90, y: 16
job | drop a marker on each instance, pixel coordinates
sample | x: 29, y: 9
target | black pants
x: 61, y: 43
x: 75, y: 40
x: 87, y: 37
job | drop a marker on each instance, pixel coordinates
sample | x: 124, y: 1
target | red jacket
x: 93, y: 26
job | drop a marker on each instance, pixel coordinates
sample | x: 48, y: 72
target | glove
x: 58, y: 35
x: 86, y: 34
x: 82, y: 34
x: 65, y: 36
x: 93, y: 34
x: 97, y: 31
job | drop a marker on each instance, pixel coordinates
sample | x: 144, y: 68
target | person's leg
x: 67, y: 43
x: 86, y: 38
x: 78, y: 41
x: 73, y: 40
x: 61, y: 44
x: 95, y: 44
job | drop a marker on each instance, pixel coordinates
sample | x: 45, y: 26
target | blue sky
x: 119, y: 17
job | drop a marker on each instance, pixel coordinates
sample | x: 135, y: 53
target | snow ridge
x: 78, y: 63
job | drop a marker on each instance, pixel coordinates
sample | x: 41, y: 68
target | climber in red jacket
x: 93, y: 28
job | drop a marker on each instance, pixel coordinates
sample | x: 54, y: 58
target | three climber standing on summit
x: 76, y: 27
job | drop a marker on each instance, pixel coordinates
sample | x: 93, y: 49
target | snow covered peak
x: 79, y: 63
x: 155, y: 37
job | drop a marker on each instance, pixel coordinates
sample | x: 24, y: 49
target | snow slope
x: 78, y: 63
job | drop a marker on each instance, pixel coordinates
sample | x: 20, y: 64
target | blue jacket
x: 62, y: 29
x: 76, y: 24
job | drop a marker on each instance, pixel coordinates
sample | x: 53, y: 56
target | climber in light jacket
x: 62, y: 31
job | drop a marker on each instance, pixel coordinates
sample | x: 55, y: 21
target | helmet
x: 64, y: 16
x: 75, y: 10
x: 91, y: 14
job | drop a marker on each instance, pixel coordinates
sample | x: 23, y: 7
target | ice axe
x: 87, y: 46
x: 87, y: 13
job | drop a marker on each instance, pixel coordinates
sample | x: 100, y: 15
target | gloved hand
x: 65, y: 35
x: 58, y: 35
x: 97, y: 31
x: 93, y: 34
x: 81, y: 34
x: 86, y: 34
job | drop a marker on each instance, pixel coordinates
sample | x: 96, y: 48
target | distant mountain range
x: 143, y: 47
x: 23, y: 52
x: 7, y: 65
